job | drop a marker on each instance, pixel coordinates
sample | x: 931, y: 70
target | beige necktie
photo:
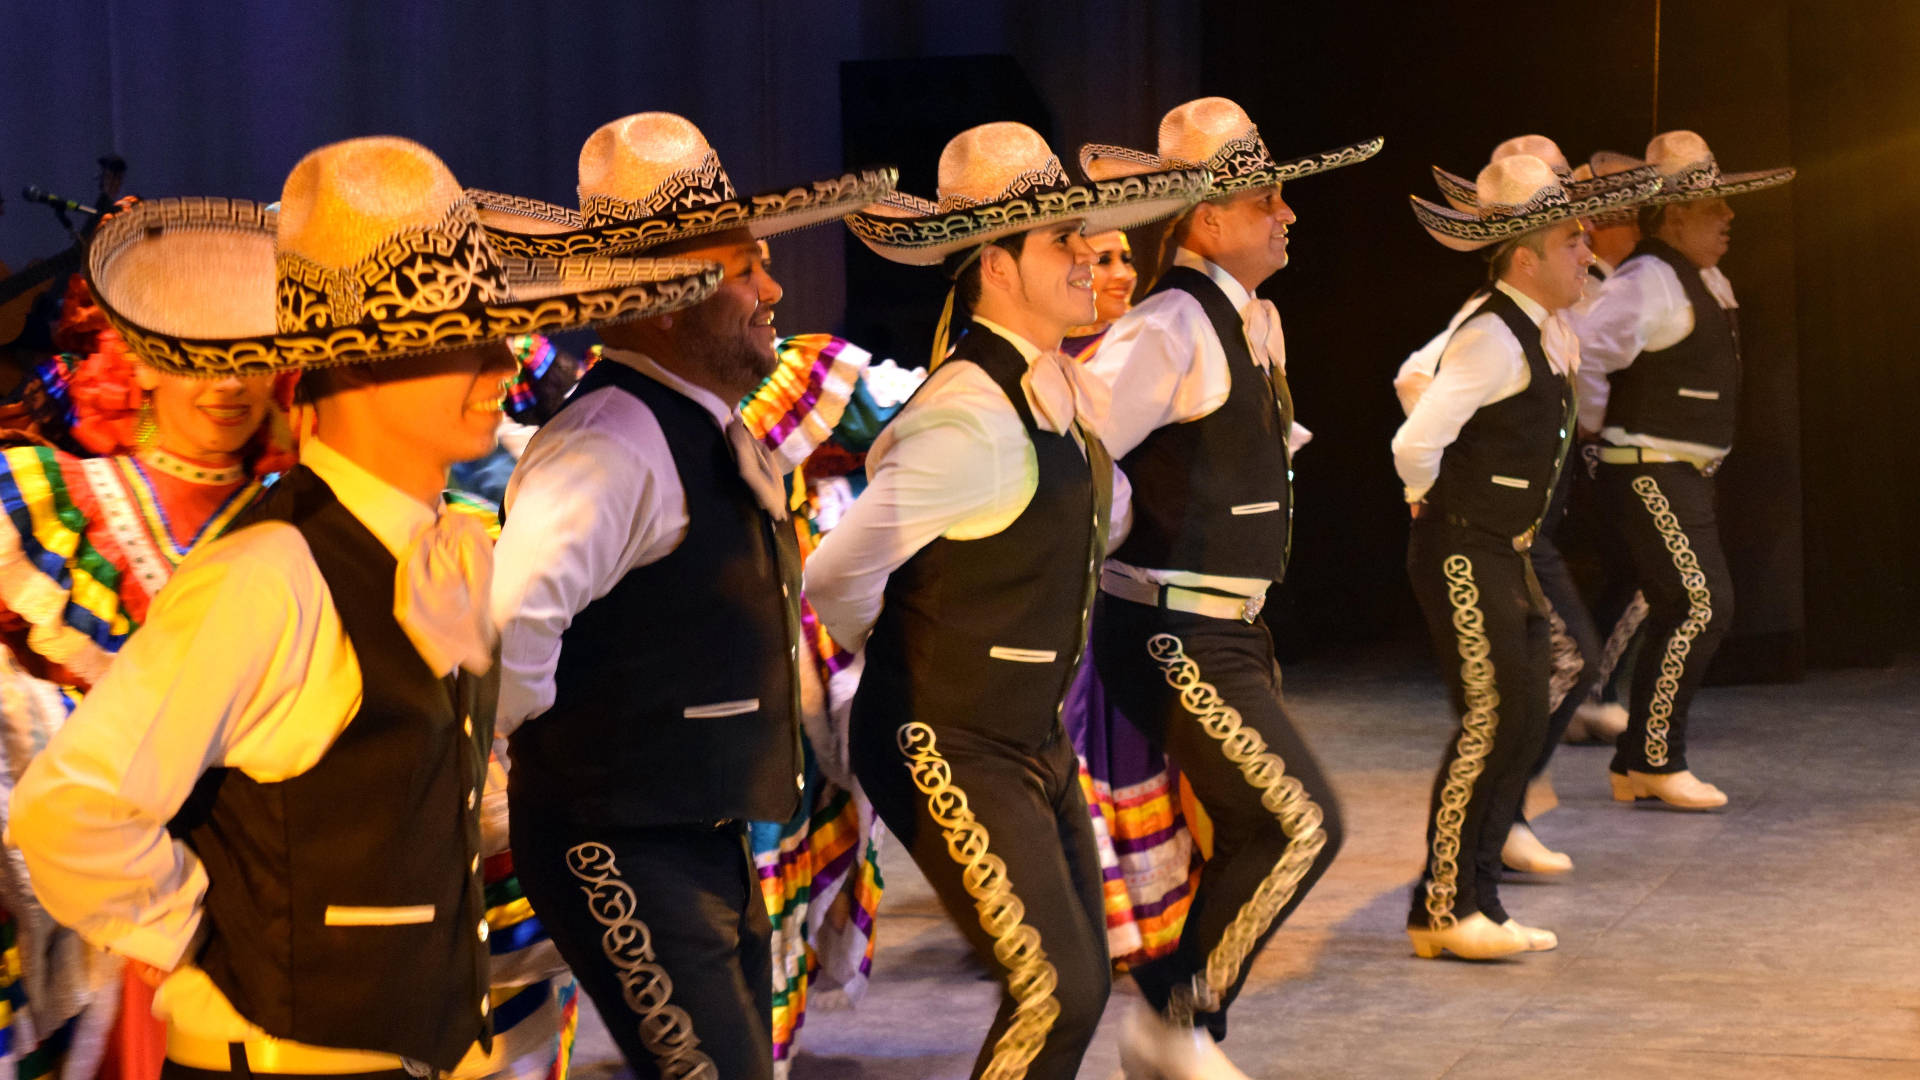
x: 1562, y: 345
x: 1060, y: 391
x: 1262, y: 323
x: 440, y: 594
x: 756, y: 468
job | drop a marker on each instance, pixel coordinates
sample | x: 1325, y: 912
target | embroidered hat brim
x: 1713, y: 184
x: 197, y: 287
x: 1471, y: 230
x: 1463, y: 194
x: 1236, y: 167
x: 915, y: 231
x: 530, y: 228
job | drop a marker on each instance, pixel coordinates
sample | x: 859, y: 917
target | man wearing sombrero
x: 1666, y: 329
x: 1202, y: 420
x: 967, y: 567
x: 647, y: 588
x: 1479, y: 455
x: 1576, y: 649
x: 271, y: 798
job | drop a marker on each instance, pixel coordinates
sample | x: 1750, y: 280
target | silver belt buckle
x: 1710, y: 467
x: 1250, y: 608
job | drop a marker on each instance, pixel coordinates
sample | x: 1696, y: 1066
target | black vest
x: 677, y: 694
x: 1691, y: 390
x: 386, y: 819
x: 1498, y: 474
x: 1214, y: 495
x: 986, y: 634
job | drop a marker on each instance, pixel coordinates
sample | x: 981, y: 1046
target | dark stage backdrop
x: 223, y: 98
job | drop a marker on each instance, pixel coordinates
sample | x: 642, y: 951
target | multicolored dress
x: 1151, y: 832
x: 85, y: 546
x: 820, y: 872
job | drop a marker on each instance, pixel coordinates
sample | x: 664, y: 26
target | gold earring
x: 146, y: 430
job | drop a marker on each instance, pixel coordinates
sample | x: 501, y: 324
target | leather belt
x: 1214, y: 605
x: 266, y: 1054
x: 1635, y: 455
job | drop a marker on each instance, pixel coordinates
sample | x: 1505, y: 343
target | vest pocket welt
x: 721, y: 708
x: 1023, y: 656
x: 342, y: 915
x: 1703, y: 395
x: 1512, y: 482
x: 1253, y: 508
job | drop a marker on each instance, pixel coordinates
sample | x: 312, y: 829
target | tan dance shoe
x: 1681, y: 789
x: 1475, y: 937
x: 1540, y: 796
x: 1524, y: 853
x: 1152, y: 1049
x: 1537, y: 940
x: 1596, y: 721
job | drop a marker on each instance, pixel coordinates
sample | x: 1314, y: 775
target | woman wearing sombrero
x: 1204, y: 424
x: 1479, y: 454
x: 1666, y: 329
x: 648, y: 590
x: 271, y: 798
x: 967, y: 568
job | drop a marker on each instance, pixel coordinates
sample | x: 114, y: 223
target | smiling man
x: 1203, y: 423
x: 1479, y: 454
x: 1666, y: 329
x: 966, y: 569
x: 647, y: 590
x: 271, y: 798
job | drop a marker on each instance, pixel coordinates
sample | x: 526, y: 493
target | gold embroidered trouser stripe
x: 1281, y: 795
x: 1622, y: 636
x: 1673, y: 662
x: 665, y: 1028
x: 1477, y: 729
x: 1031, y: 979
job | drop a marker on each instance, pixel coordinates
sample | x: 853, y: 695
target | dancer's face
x: 206, y: 420
x: 1700, y: 230
x: 1046, y: 288
x: 1246, y: 232
x: 1113, y: 274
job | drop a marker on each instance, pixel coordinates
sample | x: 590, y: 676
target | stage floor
x: 1778, y: 938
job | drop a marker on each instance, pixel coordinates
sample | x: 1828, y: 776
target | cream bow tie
x: 440, y: 594
x: 1717, y: 284
x: 757, y: 469
x: 1262, y: 323
x: 1062, y: 391
x: 1562, y: 345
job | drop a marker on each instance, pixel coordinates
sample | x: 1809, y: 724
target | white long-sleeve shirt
x: 956, y: 462
x: 243, y: 664
x: 1482, y: 363
x: 1166, y: 366
x: 596, y: 494
x: 1643, y: 308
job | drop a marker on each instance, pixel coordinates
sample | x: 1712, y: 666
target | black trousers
x: 1002, y: 834
x: 1490, y: 634
x: 666, y: 931
x: 1571, y: 677
x: 173, y: 1070
x: 1666, y: 520
x: 1206, y: 692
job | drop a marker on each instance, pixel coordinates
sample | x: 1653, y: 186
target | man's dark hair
x: 1502, y: 257
x: 1651, y: 218
x: 966, y: 287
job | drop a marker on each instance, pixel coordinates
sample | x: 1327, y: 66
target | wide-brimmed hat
x: 1001, y: 179
x: 1518, y: 194
x: 1688, y: 171
x: 652, y: 179
x: 1458, y: 190
x: 1609, y: 163
x: 373, y: 253
x: 1215, y: 134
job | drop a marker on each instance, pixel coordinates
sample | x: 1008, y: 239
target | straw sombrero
x: 1688, y: 171
x: 1458, y: 190
x: 1215, y: 134
x: 1000, y: 179
x: 373, y: 254
x: 1609, y: 163
x: 652, y: 179
x: 1518, y: 194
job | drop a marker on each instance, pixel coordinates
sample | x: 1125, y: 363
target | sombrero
x: 652, y: 179
x: 1521, y: 193
x: 1215, y: 134
x: 1609, y: 163
x: 1688, y: 171
x: 1458, y: 190
x: 372, y: 254
x: 1001, y: 179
